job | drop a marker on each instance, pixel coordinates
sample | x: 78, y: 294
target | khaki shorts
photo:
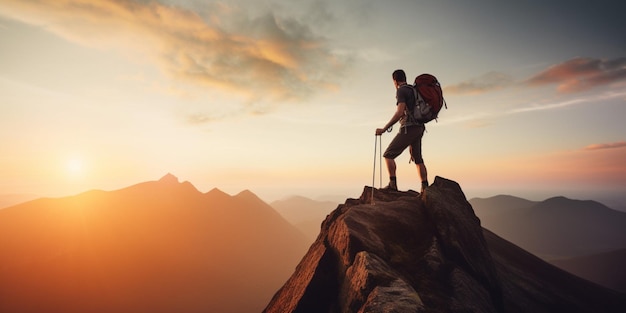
x: 410, y: 136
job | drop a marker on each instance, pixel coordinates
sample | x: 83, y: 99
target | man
x: 410, y: 134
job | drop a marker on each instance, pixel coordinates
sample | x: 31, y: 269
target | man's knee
x: 417, y: 158
x: 391, y: 154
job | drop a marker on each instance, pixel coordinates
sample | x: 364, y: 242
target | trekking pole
x: 380, y: 161
x: 377, y: 142
x: 374, y: 171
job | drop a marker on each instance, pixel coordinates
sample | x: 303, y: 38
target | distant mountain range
x: 159, y: 246
x: 304, y: 213
x: 7, y: 200
x: 585, y: 238
x: 555, y: 228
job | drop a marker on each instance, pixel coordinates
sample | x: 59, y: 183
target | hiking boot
x: 423, y: 192
x: 392, y: 186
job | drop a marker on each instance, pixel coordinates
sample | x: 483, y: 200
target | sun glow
x: 75, y: 165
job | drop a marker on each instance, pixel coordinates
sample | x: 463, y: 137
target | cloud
x: 575, y: 75
x: 490, y: 81
x: 601, y: 146
x: 580, y: 74
x: 486, y: 118
x: 549, y: 106
x: 264, y: 58
x: 569, y: 102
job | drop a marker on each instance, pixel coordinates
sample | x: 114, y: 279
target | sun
x: 75, y: 165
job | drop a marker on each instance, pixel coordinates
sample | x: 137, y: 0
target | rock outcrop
x: 406, y: 252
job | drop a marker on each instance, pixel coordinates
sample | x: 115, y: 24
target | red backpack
x: 429, y: 98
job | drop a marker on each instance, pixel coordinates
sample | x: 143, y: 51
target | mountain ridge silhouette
x: 555, y: 228
x: 156, y: 246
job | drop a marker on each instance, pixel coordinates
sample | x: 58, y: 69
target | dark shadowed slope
x: 556, y: 228
x: 405, y: 254
x: 607, y: 269
x: 159, y: 246
x: 534, y: 285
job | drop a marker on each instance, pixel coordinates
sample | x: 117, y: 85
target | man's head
x: 398, y: 77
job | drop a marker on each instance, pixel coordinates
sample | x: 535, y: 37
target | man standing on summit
x: 410, y: 134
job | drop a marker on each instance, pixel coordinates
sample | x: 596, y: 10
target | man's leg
x: 416, y: 155
x: 395, y: 148
x: 421, y: 169
x: 391, y: 169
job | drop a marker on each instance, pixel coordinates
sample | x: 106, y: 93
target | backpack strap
x: 415, y: 95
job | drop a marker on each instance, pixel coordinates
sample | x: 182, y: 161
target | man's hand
x: 380, y: 131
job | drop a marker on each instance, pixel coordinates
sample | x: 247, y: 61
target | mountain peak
x: 557, y: 198
x: 169, y: 179
x: 217, y: 191
x: 249, y: 197
x: 411, y: 252
x: 246, y: 194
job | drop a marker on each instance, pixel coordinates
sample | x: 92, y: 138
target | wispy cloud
x: 549, y: 106
x: 575, y: 75
x: 580, y: 71
x: 486, y: 117
x: 487, y: 82
x: 601, y: 146
x: 580, y: 74
x: 569, y: 102
x: 265, y: 58
x: 471, y: 121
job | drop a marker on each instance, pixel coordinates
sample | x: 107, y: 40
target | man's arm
x: 394, y: 119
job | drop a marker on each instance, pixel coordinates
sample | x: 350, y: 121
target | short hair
x: 399, y: 76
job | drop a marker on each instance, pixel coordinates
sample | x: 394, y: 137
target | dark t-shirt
x: 406, y: 94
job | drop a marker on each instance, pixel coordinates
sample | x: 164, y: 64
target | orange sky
x: 283, y: 98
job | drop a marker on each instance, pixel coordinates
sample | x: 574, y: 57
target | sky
x: 283, y: 97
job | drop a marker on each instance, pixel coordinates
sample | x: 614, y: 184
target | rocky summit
x: 407, y: 252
